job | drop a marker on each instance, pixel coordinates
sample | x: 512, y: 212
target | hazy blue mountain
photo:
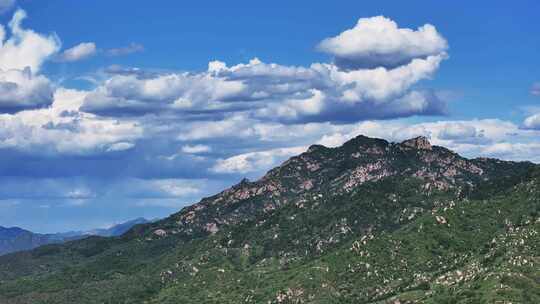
x: 15, y: 239
x: 117, y: 230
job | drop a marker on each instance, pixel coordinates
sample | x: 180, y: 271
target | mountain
x: 368, y: 222
x: 16, y: 239
x: 117, y: 230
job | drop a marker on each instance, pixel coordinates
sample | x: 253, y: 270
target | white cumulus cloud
x: 255, y: 161
x: 532, y: 122
x: 79, y: 52
x: 196, y: 149
x: 62, y: 129
x: 22, y: 53
x: 24, y: 47
x: 268, y: 91
x: 379, y: 42
x: 20, y: 89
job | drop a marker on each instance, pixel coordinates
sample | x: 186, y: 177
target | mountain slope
x: 368, y: 222
x: 16, y: 239
x: 116, y: 230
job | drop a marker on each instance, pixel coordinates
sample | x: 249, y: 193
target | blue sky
x: 130, y: 109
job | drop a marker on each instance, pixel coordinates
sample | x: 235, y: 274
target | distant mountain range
x: 17, y: 239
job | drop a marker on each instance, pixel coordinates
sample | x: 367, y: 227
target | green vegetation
x: 370, y: 222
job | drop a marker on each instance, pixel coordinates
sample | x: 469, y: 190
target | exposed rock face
x: 370, y: 172
x: 441, y: 220
x: 160, y: 232
x: 420, y: 143
x: 212, y: 228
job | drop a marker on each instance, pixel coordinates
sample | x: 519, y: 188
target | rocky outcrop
x: 160, y: 233
x: 420, y: 143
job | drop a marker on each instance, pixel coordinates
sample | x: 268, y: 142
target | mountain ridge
x: 368, y: 172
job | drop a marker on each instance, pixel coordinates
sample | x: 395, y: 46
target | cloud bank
x: 268, y: 91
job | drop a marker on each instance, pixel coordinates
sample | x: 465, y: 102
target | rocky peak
x: 244, y: 181
x: 420, y: 143
x: 366, y: 142
x: 315, y: 148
